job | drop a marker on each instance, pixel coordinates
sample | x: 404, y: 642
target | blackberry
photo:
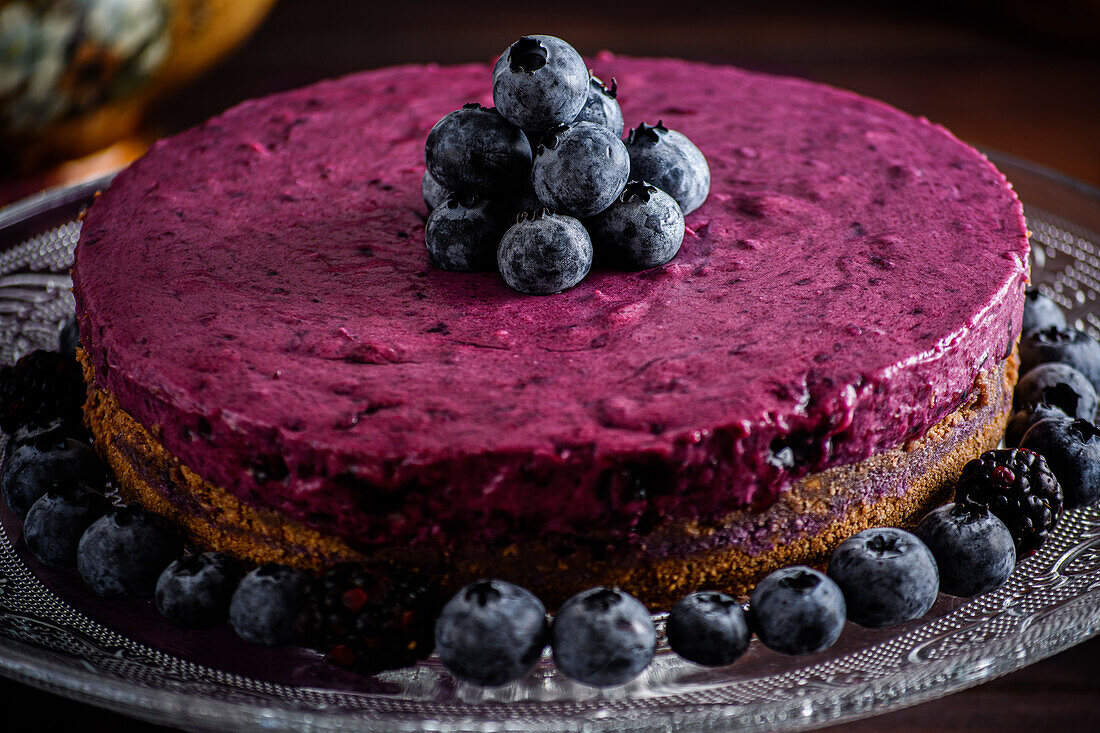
x: 1019, y: 488
x: 369, y: 621
x: 41, y: 387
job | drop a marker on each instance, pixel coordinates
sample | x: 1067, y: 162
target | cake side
x: 255, y: 293
x: 893, y: 489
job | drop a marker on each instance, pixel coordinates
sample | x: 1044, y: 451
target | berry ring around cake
x: 274, y: 364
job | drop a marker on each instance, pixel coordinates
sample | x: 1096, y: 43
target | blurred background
x: 86, y: 85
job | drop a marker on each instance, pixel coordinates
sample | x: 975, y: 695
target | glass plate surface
x: 1051, y: 602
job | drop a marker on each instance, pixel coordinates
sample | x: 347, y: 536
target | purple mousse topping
x: 256, y: 292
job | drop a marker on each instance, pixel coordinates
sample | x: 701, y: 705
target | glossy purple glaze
x: 256, y: 291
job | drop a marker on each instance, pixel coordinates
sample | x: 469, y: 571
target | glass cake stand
x: 124, y: 657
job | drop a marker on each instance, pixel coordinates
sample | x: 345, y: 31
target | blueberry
x: 887, y: 575
x: 671, y: 162
x: 1049, y: 391
x: 1022, y: 420
x: 53, y: 432
x: 1072, y: 450
x: 1041, y: 312
x: 266, y: 604
x: 539, y: 82
x: 122, y: 553
x: 195, y: 590
x: 643, y: 228
x: 544, y: 253
x: 602, y: 108
x: 56, y: 521
x: 463, y: 233
x: 68, y: 338
x: 973, y: 549
x: 1058, y: 385
x: 603, y: 637
x: 433, y: 193
x: 1063, y: 345
x: 580, y: 169
x: 476, y: 150
x: 797, y: 610
x: 46, y: 464
x: 708, y: 628
x: 491, y: 633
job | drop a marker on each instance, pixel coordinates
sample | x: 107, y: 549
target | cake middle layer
x: 256, y: 295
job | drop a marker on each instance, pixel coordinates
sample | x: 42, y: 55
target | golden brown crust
x: 213, y: 518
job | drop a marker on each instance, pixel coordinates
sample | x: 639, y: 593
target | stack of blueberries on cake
x: 550, y: 150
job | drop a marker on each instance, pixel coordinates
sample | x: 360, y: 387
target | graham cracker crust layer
x: 818, y: 512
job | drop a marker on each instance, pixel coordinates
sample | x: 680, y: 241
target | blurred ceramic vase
x: 77, y: 75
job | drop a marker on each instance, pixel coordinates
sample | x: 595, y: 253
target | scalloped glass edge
x: 1051, y: 603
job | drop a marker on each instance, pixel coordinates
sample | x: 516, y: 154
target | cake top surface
x: 261, y: 280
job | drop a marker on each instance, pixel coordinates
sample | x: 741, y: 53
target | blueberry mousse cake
x: 314, y: 334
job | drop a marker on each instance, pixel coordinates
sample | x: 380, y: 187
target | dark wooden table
x: 1020, y: 77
